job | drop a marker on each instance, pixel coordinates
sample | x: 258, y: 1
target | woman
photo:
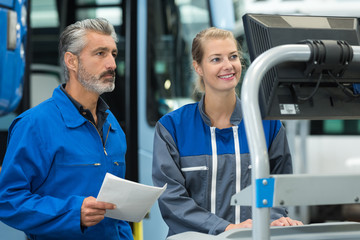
x: 201, y: 151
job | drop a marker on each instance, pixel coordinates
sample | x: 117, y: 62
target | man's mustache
x: 108, y: 72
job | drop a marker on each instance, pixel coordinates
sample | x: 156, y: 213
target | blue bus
x: 13, y: 31
x: 13, y: 45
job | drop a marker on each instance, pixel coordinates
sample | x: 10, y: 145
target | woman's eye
x: 215, y: 60
x: 235, y: 56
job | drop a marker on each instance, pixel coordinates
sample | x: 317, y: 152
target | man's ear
x: 197, y: 68
x: 71, y: 61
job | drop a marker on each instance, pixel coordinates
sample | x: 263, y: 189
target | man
x: 59, y: 151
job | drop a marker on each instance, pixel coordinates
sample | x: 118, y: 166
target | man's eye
x: 99, y: 53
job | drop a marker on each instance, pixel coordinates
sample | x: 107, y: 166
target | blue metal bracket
x: 265, y: 192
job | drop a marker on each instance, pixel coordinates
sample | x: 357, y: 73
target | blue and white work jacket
x: 205, y: 166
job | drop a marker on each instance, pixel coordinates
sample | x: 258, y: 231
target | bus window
x: 110, y: 9
x: 170, y: 79
x: 98, y: 2
x: 113, y: 14
x: 44, y: 14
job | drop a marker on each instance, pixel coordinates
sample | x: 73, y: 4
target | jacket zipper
x: 90, y: 164
x: 107, y: 135
x: 238, y: 171
x: 214, y: 170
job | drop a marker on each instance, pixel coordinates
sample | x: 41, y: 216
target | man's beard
x: 93, y: 83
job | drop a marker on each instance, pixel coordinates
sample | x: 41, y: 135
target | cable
x: 313, y: 93
x: 346, y: 90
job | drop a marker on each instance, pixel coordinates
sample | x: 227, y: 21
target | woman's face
x: 220, y: 66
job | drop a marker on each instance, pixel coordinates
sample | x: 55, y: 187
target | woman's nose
x: 227, y: 64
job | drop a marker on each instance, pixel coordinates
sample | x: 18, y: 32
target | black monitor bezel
x: 277, y: 87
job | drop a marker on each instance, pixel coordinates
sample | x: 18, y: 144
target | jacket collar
x: 100, y: 111
x: 235, y: 118
x: 68, y: 111
x: 70, y: 114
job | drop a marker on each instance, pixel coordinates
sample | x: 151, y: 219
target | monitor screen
x: 288, y: 91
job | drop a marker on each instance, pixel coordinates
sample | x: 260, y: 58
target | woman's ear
x: 197, y: 68
x: 71, y: 61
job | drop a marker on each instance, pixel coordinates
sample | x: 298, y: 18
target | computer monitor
x: 290, y: 90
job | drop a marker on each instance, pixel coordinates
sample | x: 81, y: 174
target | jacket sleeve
x: 179, y: 210
x: 280, y: 163
x: 26, y: 166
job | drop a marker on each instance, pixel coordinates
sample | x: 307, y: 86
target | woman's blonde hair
x: 198, y: 50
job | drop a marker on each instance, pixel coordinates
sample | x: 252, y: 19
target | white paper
x: 133, y: 200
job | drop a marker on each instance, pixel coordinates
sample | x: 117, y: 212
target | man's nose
x: 110, y: 63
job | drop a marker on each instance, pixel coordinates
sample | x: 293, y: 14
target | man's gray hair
x: 73, y: 38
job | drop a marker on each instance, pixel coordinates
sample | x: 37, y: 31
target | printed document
x: 133, y: 200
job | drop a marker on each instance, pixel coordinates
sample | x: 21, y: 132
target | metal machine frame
x: 259, y: 155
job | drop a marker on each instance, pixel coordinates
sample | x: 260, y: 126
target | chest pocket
x: 117, y: 166
x: 196, y: 172
x: 115, y: 151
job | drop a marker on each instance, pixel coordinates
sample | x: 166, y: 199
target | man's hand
x: 244, y: 224
x: 92, y: 211
x: 286, y: 221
